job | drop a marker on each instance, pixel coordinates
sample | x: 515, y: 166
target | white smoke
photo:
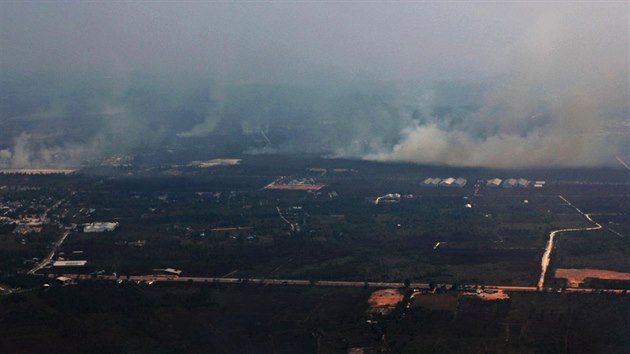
x: 26, y: 153
x: 213, y: 116
x: 570, y: 80
x: 20, y: 155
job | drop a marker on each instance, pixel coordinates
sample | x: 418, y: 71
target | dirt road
x: 546, y: 258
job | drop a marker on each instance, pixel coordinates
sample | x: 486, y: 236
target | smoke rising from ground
x: 547, y: 106
x: 480, y: 84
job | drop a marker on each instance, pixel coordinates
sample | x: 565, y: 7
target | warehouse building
x: 69, y: 263
x: 100, y: 227
x: 495, y: 182
x: 448, y: 182
x: 432, y: 182
x: 510, y: 183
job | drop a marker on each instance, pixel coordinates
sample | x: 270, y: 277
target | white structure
x: 460, y: 182
x: 100, y: 227
x: 448, y: 182
x: 388, y: 198
x: 510, y: 183
x: 432, y: 181
x: 69, y: 263
x: 495, y: 182
x: 523, y: 183
x: 167, y: 271
x: 436, y: 182
x: 65, y: 280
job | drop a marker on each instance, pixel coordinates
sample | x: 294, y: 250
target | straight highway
x: 329, y: 283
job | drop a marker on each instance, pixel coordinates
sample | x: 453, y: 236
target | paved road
x: 285, y: 219
x: 331, y: 283
x: 48, y: 259
x: 546, y: 258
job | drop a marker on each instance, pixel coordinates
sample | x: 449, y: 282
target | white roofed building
x: 100, y: 227
x: 432, y: 182
x: 448, y: 182
x: 510, y: 183
x: 69, y: 263
x: 495, y: 182
x: 460, y: 182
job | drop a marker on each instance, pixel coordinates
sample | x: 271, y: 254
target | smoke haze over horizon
x: 493, y: 84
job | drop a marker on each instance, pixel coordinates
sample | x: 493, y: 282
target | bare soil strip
x: 576, y: 277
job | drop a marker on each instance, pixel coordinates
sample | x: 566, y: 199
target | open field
x: 240, y: 247
x: 435, y: 302
x: 576, y: 277
x: 112, y: 318
x: 385, y: 297
x: 489, y: 295
x: 171, y: 221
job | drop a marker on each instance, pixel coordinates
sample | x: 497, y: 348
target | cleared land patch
x: 441, y: 302
x: 384, y: 301
x: 575, y: 277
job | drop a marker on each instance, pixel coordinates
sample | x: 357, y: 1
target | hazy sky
x: 284, y: 41
x: 552, y: 72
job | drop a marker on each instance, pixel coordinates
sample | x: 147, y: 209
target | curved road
x: 546, y: 258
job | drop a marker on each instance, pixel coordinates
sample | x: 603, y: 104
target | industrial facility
x: 446, y: 182
x: 100, y: 227
x: 432, y: 182
x: 494, y: 183
x: 510, y: 183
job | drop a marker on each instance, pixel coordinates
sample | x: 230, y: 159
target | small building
x: 522, y: 183
x: 318, y: 171
x: 432, y: 182
x: 65, y: 280
x: 510, y: 183
x: 460, y: 182
x: 493, y: 183
x: 167, y: 272
x: 448, y: 182
x: 80, y: 263
x: 100, y: 227
x: 389, y: 198
x: 539, y: 184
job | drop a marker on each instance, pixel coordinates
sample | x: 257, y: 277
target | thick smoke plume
x: 548, y: 106
x: 480, y: 84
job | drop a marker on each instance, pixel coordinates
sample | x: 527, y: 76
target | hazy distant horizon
x: 492, y: 84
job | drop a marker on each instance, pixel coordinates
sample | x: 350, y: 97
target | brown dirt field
x: 575, y: 277
x: 441, y: 302
x: 496, y: 295
x: 385, y: 298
